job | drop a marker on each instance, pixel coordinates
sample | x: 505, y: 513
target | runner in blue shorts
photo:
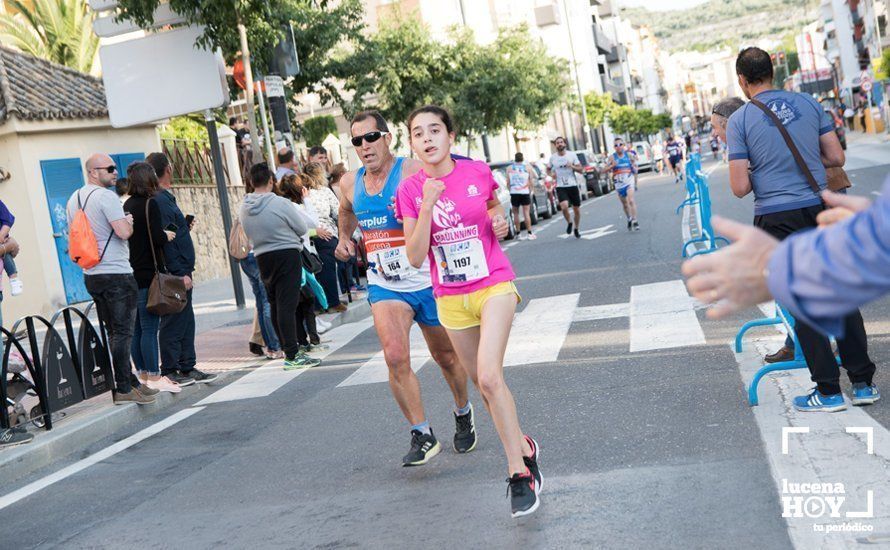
x: 623, y: 167
x: 399, y: 294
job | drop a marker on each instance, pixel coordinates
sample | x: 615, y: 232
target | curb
x: 76, y: 435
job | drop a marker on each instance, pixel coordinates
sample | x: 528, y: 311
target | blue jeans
x: 144, y: 347
x: 263, y: 308
x: 9, y: 265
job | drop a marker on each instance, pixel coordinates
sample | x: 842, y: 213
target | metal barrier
x: 64, y: 371
x: 798, y: 362
x: 698, y: 194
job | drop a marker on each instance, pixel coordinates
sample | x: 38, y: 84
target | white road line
x: 261, y: 382
x: 662, y: 316
x: 876, y: 193
x: 591, y: 234
x: 828, y: 453
x: 266, y: 380
x: 105, y: 453
x: 375, y: 369
x: 607, y: 311
x: 539, y: 331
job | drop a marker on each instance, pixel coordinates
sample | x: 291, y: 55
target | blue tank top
x: 623, y: 164
x: 384, y: 236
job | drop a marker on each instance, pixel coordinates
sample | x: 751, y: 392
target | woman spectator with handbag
x: 147, y: 231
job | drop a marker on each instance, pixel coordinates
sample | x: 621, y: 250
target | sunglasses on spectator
x: 370, y: 137
x: 110, y: 169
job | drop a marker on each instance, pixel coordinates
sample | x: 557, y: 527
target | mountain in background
x: 718, y: 23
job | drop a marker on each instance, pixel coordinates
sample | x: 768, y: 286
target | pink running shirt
x: 465, y: 256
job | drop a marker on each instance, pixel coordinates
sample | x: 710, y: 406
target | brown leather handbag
x: 837, y: 178
x: 167, y: 293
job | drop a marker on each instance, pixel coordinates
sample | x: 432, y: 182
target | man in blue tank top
x: 398, y: 293
x: 623, y: 167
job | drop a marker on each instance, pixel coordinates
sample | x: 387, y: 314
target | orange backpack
x: 82, y: 246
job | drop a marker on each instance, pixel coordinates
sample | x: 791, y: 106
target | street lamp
x: 588, y: 137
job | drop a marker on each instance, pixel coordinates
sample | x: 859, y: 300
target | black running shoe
x: 569, y: 229
x: 465, y: 432
x: 201, y: 377
x: 256, y: 349
x: 523, y: 492
x: 423, y: 448
x: 531, y: 462
x: 630, y: 224
x: 182, y: 379
x: 636, y: 225
x: 577, y: 233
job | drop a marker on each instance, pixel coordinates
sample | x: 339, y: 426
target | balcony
x: 603, y: 44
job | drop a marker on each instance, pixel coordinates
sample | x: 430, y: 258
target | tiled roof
x: 36, y: 89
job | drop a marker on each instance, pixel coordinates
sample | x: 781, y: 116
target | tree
x: 598, y: 106
x: 403, y: 68
x: 316, y: 129
x: 58, y: 30
x: 623, y: 119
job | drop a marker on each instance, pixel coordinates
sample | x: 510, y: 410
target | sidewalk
x: 222, y: 348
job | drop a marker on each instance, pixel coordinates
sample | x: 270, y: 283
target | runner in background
x: 398, y: 293
x: 622, y: 164
x: 562, y: 167
x: 521, y: 180
x: 453, y: 216
x: 674, y: 151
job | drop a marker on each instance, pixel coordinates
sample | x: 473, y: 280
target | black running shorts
x: 572, y: 195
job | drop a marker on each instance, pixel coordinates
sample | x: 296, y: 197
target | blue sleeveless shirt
x: 384, y: 236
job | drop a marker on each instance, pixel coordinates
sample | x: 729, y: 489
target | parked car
x: 595, y: 182
x: 543, y: 204
x: 645, y: 159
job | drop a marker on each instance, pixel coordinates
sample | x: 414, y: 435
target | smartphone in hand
x: 173, y: 228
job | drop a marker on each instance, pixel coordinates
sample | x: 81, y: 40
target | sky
x: 661, y: 5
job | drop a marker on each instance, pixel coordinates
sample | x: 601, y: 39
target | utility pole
x: 588, y: 138
x: 248, y: 92
x: 225, y: 209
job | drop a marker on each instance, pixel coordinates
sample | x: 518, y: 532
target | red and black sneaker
x: 523, y: 492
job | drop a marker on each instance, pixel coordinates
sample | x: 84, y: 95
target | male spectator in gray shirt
x: 784, y: 203
x: 111, y: 282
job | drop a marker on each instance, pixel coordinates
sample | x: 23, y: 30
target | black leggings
x: 282, y: 271
x: 307, y: 333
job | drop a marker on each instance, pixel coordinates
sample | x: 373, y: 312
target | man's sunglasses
x: 370, y: 137
x: 110, y: 169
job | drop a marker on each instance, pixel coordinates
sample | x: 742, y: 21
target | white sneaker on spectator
x: 164, y: 384
x: 321, y: 325
x: 16, y: 287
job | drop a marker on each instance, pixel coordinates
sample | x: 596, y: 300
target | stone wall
x: 210, y: 240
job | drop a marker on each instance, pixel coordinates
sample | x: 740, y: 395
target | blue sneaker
x: 863, y: 394
x: 816, y: 401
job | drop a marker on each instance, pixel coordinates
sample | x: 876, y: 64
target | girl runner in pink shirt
x: 451, y: 213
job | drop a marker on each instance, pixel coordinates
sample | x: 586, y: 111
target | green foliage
x: 184, y: 127
x: 724, y: 23
x: 598, y: 106
x: 316, y: 129
x: 624, y: 119
x: 58, y: 30
x: 404, y: 68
